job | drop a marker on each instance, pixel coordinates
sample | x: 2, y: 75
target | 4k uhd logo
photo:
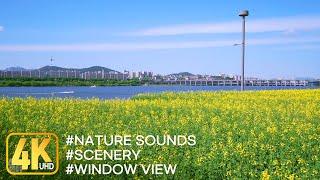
x: 32, y: 153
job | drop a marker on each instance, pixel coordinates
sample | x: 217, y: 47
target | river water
x: 111, y: 92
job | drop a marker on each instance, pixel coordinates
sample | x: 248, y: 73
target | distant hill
x: 182, y: 74
x: 97, y: 68
x: 56, y: 68
x: 53, y: 68
x: 17, y: 68
x: 89, y: 69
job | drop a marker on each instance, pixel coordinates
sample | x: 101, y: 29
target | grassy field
x: 34, y: 82
x: 261, y: 134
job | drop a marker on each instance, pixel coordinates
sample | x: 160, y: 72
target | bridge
x: 238, y: 82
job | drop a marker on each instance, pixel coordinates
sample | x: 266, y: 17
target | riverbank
x: 39, y: 82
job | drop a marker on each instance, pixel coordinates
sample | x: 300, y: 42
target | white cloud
x: 116, y: 46
x: 300, y: 47
x: 284, y: 24
x: 156, y: 45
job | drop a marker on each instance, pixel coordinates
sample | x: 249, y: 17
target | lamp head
x: 244, y: 13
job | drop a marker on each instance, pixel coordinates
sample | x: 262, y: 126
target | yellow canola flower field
x: 252, y: 134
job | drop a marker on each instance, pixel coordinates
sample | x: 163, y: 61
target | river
x: 111, y: 92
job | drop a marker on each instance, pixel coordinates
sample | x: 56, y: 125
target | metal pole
x: 243, y: 52
x: 243, y: 14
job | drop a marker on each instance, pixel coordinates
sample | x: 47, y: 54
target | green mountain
x: 182, y: 74
x: 89, y: 69
x: 17, y: 68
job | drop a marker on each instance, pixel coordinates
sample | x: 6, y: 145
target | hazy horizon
x: 155, y: 73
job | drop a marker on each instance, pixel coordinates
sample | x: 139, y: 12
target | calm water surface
x: 112, y: 92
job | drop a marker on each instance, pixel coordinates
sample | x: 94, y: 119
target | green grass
x: 15, y: 82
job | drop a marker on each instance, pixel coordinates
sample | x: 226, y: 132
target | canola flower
x: 253, y: 134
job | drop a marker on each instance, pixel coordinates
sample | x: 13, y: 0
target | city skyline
x: 101, y: 69
x: 167, y: 37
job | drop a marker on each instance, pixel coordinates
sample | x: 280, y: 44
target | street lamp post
x: 243, y: 14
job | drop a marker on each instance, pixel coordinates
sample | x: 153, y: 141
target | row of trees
x: 67, y: 82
